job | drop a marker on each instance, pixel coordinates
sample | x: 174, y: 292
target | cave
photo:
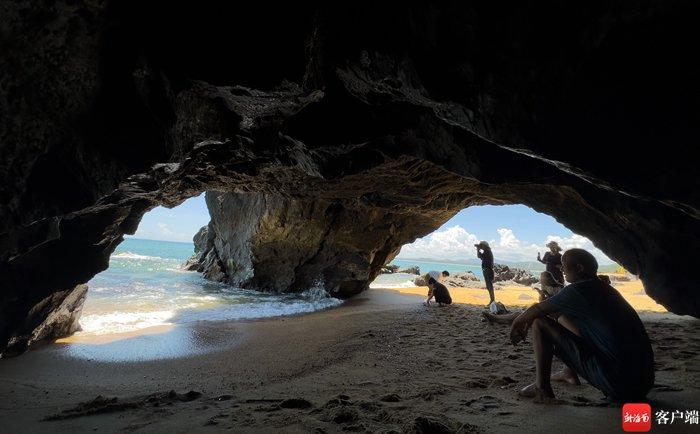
x: 346, y: 131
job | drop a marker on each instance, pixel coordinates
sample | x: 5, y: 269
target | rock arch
x: 386, y: 116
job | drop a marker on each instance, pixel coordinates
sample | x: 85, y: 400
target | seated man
x: 439, y: 291
x: 599, y: 336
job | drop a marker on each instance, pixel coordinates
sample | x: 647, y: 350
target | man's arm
x: 522, y: 323
x: 430, y: 296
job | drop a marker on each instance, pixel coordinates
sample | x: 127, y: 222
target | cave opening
x: 518, y: 236
x: 152, y: 286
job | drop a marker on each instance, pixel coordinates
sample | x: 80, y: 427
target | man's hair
x: 431, y: 281
x: 583, y: 258
x: 445, y: 273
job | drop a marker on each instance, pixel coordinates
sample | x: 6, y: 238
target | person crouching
x: 439, y: 291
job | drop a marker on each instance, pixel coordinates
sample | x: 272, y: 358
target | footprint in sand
x: 485, y: 403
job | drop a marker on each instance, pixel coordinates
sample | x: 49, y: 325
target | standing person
x: 598, y: 336
x: 552, y: 260
x: 437, y: 289
x: 483, y: 251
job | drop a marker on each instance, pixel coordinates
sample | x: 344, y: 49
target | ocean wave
x: 130, y: 255
x: 187, y: 308
x: 122, y: 322
x: 405, y: 284
x: 260, y: 309
x: 181, y: 270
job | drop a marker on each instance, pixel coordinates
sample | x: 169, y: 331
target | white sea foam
x: 187, y: 308
x: 122, y: 322
x: 130, y: 255
x: 258, y: 309
x: 405, y: 284
x: 180, y: 270
x: 396, y: 280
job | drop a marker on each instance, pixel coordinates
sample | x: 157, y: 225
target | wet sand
x: 379, y: 363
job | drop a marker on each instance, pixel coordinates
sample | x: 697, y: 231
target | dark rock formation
x: 389, y: 269
x: 54, y: 317
x: 503, y: 273
x: 409, y: 112
x: 273, y: 243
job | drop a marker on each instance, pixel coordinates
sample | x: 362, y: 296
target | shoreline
x: 378, y: 362
x: 163, y: 341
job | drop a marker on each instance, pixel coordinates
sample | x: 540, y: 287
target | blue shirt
x: 607, y: 322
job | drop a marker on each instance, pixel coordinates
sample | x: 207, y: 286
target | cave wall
x: 587, y: 112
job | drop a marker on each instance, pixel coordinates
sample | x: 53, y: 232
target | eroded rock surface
x: 57, y: 316
x: 398, y: 113
x: 504, y: 273
x: 273, y: 243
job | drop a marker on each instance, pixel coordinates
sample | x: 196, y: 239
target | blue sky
x: 176, y: 224
x: 515, y: 232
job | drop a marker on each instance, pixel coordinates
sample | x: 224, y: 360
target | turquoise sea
x: 145, y: 287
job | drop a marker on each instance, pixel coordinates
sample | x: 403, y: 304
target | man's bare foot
x: 566, y: 375
x: 532, y: 391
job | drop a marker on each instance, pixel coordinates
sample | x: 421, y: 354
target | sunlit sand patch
x: 517, y: 296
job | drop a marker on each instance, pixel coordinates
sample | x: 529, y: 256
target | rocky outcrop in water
x: 389, y: 269
x: 463, y: 279
x: 409, y: 112
x: 410, y: 270
x: 504, y: 273
x: 272, y: 243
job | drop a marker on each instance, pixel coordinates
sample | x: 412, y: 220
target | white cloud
x: 160, y: 231
x: 457, y: 244
x: 164, y: 230
x: 451, y: 243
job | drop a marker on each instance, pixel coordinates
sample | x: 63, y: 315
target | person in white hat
x: 552, y: 260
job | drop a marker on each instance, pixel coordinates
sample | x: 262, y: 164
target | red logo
x: 636, y: 417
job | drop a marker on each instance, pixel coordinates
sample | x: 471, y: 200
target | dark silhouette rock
x: 56, y: 316
x: 401, y: 116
